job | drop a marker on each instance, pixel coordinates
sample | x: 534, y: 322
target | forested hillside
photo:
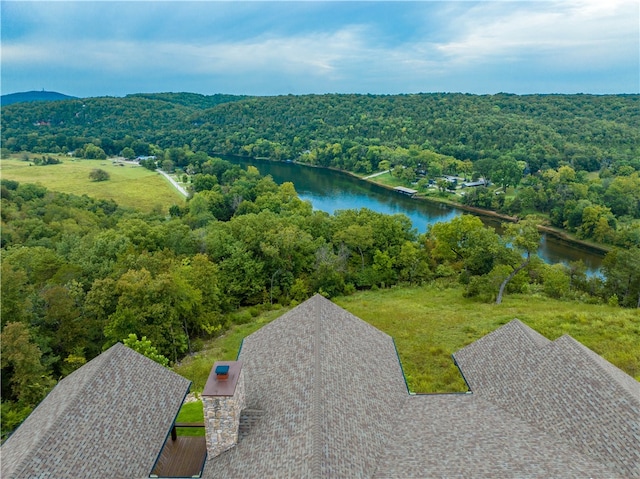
x: 574, y: 159
x: 583, y: 131
x: 79, y: 274
x: 29, y: 96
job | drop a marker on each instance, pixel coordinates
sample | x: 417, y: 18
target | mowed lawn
x: 431, y: 322
x: 129, y: 185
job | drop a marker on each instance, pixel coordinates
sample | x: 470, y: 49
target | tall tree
x: 30, y: 380
x: 525, y: 239
x: 622, y: 269
x: 465, y: 241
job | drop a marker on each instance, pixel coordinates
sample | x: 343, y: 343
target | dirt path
x: 375, y: 174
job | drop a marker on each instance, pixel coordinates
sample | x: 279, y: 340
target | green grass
x: 130, y: 185
x: 430, y: 323
x: 191, y: 412
x: 388, y: 180
x: 224, y: 348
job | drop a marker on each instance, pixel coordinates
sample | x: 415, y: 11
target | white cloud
x: 455, y: 41
x: 568, y: 31
x: 314, y: 54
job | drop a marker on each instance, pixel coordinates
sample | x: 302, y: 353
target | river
x: 331, y: 190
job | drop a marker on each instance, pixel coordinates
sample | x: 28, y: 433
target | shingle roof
x: 465, y: 436
x: 328, y: 386
x: 107, y: 419
x: 326, y: 398
x: 561, y: 388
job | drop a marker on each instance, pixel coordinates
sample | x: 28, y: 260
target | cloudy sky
x: 97, y: 48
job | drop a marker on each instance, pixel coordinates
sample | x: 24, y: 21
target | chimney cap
x: 223, y: 378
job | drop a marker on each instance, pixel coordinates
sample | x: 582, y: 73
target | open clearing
x: 130, y: 185
x: 431, y: 322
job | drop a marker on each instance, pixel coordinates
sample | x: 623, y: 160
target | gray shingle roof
x: 328, y: 386
x: 465, y: 436
x: 107, y: 419
x: 561, y: 388
x: 326, y: 398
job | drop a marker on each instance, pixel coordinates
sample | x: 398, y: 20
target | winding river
x: 330, y: 190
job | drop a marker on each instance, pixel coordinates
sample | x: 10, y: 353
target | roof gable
x: 327, y: 386
x: 561, y: 388
x: 109, y: 418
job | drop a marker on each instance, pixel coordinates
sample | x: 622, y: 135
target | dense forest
x: 572, y: 159
x: 79, y: 274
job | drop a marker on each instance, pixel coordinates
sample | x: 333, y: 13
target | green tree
x: 328, y: 276
x: 356, y: 237
x: 30, y: 380
x: 622, y: 269
x: 93, y: 152
x: 556, y: 280
x: 383, y: 268
x: 412, y: 264
x: 467, y: 243
x: 156, y: 307
x: 98, y: 174
x: 63, y: 320
x: 15, y: 293
x: 524, y: 238
x: 128, y: 153
x: 144, y: 347
x: 623, y: 195
x: 203, y: 275
x: 506, y: 172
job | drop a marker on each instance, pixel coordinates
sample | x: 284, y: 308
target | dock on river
x: 405, y: 191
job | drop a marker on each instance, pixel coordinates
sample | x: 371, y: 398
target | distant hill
x: 30, y: 96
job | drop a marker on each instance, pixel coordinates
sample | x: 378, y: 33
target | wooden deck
x: 183, y: 457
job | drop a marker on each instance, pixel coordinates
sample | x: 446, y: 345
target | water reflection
x: 331, y: 190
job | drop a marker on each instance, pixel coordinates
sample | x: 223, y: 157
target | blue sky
x: 112, y: 48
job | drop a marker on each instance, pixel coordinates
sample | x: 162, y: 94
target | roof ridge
x: 316, y: 461
x: 536, y: 338
x: 611, y: 372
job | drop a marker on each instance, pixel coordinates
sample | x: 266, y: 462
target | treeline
x: 585, y: 131
x: 574, y: 159
x: 79, y: 274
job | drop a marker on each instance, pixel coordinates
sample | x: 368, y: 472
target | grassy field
x: 430, y: 323
x: 129, y: 185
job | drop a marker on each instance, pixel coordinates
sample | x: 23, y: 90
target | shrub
x: 98, y: 174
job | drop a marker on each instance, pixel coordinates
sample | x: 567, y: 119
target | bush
x: 241, y: 317
x: 98, y: 174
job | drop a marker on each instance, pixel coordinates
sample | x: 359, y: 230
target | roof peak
x: 627, y: 383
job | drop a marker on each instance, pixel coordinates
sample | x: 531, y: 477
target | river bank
x: 557, y: 233
x: 331, y: 189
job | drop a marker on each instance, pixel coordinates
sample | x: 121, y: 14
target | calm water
x: 329, y: 191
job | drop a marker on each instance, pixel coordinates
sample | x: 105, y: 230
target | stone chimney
x: 223, y: 400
